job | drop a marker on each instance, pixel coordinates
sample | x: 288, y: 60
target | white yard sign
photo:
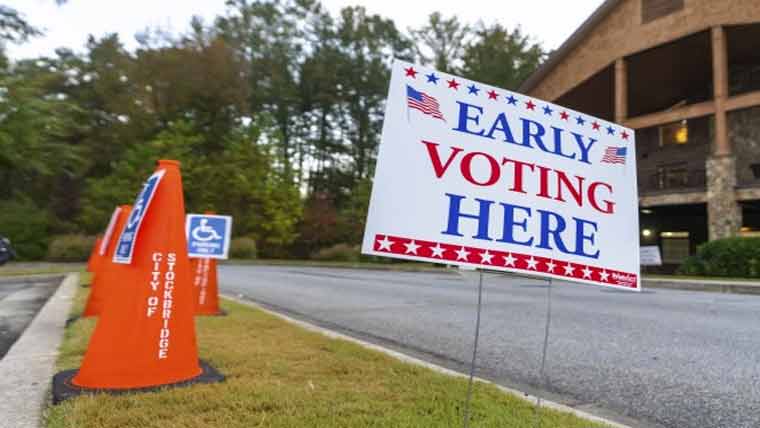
x: 474, y: 175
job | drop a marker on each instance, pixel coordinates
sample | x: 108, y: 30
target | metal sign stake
x: 474, y: 352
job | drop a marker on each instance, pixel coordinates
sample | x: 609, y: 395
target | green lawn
x: 279, y: 375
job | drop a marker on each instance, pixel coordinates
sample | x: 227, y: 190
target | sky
x: 550, y: 22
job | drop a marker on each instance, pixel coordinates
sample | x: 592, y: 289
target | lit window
x: 674, y: 133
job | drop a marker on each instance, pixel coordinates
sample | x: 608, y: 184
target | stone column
x: 621, y: 91
x: 724, y: 214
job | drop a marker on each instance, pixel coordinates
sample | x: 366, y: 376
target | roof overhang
x: 558, y: 55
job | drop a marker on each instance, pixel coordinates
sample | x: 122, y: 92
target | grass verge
x: 279, y: 375
x: 41, y: 268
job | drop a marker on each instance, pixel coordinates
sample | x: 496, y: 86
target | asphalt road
x: 20, y: 300
x: 661, y: 358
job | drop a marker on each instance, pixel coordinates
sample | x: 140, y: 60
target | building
x: 685, y: 74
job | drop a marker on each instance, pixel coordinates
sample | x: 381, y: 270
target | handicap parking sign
x: 126, y: 245
x: 208, y: 236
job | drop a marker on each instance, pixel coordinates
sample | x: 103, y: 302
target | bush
x: 26, y: 225
x: 338, y: 253
x: 243, y: 248
x: 737, y: 257
x: 70, y: 248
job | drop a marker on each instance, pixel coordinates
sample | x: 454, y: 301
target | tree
x: 13, y: 27
x: 501, y: 58
x: 441, y: 42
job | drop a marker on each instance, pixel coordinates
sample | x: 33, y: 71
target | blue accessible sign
x: 208, y: 236
x: 125, y: 247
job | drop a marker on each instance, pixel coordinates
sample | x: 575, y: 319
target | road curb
x: 28, y: 367
x: 415, y: 361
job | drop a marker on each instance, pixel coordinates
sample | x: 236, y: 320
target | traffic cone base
x: 64, y: 387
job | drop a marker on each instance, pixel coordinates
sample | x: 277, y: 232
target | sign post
x: 474, y: 175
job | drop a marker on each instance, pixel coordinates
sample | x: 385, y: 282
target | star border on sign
x: 486, y: 257
x: 437, y: 251
x: 509, y: 260
x: 587, y: 272
x: 462, y: 254
x: 569, y: 269
x: 532, y: 263
x: 385, y: 244
x: 411, y: 247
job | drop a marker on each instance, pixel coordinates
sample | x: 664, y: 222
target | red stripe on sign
x: 443, y: 252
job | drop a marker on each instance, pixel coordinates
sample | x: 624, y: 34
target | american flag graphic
x: 614, y: 155
x: 423, y: 102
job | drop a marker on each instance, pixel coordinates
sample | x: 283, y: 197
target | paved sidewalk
x: 28, y: 367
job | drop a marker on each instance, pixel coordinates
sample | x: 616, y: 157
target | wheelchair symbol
x: 204, y: 233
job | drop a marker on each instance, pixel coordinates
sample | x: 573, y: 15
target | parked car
x: 6, y: 251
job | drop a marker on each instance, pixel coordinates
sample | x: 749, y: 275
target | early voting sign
x: 208, y: 236
x: 126, y: 245
x: 474, y: 175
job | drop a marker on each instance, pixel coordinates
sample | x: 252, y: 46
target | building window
x: 653, y: 9
x: 755, y: 167
x: 675, y: 247
x: 674, y: 134
x: 672, y: 176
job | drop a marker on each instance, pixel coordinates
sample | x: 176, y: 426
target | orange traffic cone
x: 145, y: 336
x: 95, y: 257
x: 103, y: 277
x: 205, y: 284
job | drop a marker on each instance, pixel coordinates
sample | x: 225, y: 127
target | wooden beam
x: 669, y: 116
x: 621, y: 91
x: 722, y: 144
x: 750, y: 99
x: 673, y: 198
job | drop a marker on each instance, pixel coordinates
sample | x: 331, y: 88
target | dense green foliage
x: 243, y: 248
x: 338, y: 253
x: 735, y: 257
x: 274, y: 109
x: 70, y: 248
